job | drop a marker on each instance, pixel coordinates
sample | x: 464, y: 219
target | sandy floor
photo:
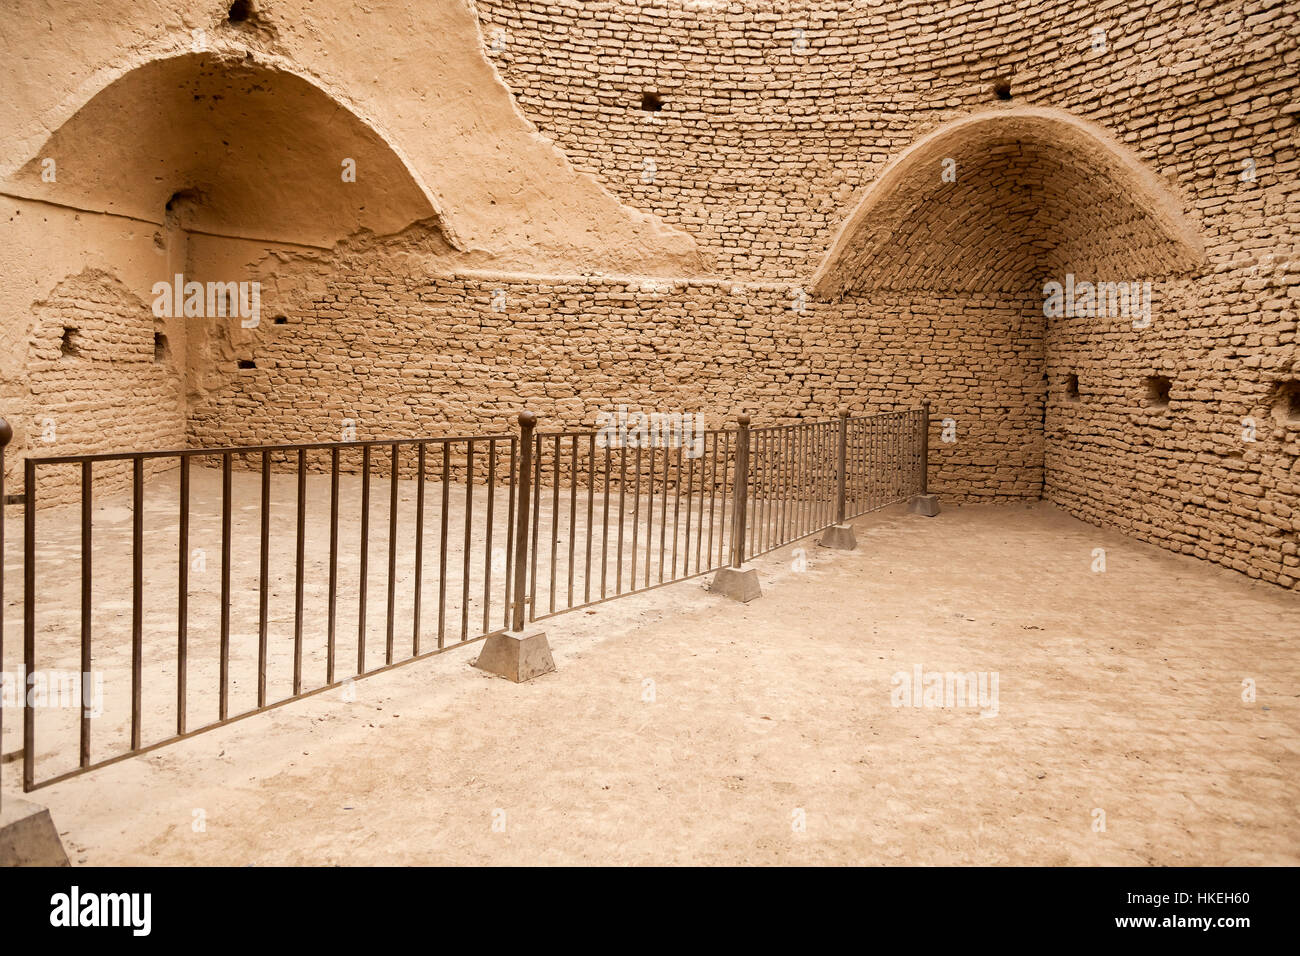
x: 683, y: 728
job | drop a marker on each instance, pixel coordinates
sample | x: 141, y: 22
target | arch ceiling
x: 252, y: 150
x: 1037, y: 192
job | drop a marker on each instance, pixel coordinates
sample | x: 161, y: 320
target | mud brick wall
x: 99, y: 376
x: 403, y: 356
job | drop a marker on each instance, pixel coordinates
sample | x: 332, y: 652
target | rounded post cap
x: 6, y: 432
x: 844, y: 412
x: 744, y: 420
x: 527, y: 419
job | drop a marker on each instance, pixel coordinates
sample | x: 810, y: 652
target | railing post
x: 514, y: 654
x: 735, y: 580
x: 840, y: 508
x: 924, y: 503
x: 741, y: 508
x: 840, y: 535
x: 527, y: 423
x: 925, y: 447
x: 29, y: 621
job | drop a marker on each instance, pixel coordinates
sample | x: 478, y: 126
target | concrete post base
x: 927, y: 505
x: 839, y: 536
x: 28, y: 836
x: 516, y: 656
x: 739, y: 584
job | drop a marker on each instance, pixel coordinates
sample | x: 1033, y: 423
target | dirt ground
x: 684, y: 728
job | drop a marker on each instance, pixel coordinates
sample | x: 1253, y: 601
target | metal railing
x: 585, y: 521
x: 615, y: 520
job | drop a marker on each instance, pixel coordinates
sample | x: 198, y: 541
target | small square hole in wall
x: 247, y: 363
x: 70, y: 343
x: 161, y: 350
x: 652, y: 102
x: 280, y: 320
x: 1157, y: 390
x: 1072, y: 387
x: 1002, y: 90
x: 1284, y: 397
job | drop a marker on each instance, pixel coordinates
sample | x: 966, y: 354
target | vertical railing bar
x: 859, y: 469
x: 925, y: 447
x: 87, y: 570
x: 390, y: 613
x: 622, y: 487
x: 805, y: 440
x: 768, y: 474
x: 29, y: 622
x: 487, y: 535
x: 365, y: 559
x: 182, y: 594
x: 690, y: 496
x: 713, y: 495
x: 699, y: 496
x: 573, y: 512
x: 796, y: 468
x: 330, y: 632
x: 866, y: 465
x: 223, y: 706
x: 442, y: 544
x: 783, y: 513
x: 137, y: 599
x: 591, y: 501
x: 814, y: 475
x: 824, y: 475
x: 466, y: 563
x: 769, y: 470
x: 663, y: 520
x: 677, y: 509
x: 723, y: 527
x: 263, y: 588
x: 512, y: 485
x: 604, y: 532
x: 649, y: 520
x: 636, y: 512
x: 421, y: 462
x: 774, y: 491
x: 873, y: 463
x: 894, y: 451
x: 801, y: 499
x: 790, y: 518
x: 814, y: 492
x: 299, y: 571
